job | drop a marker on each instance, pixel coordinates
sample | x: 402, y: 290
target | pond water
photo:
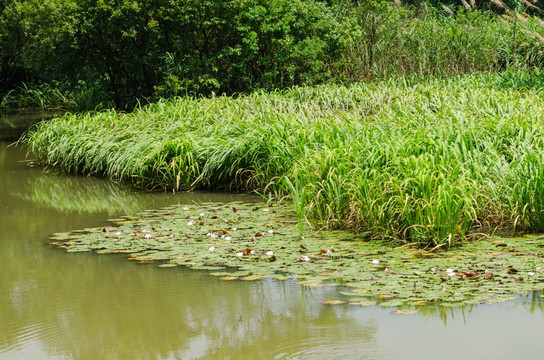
x: 58, y: 305
x: 13, y: 122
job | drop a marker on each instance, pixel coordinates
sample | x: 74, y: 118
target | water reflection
x: 86, y: 195
x: 57, y: 305
x: 85, y: 306
x: 162, y: 314
x: 14, y: 122
x: 532, y: 303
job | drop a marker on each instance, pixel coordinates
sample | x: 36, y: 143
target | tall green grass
x: 429, y: 162
x: 55, y: 96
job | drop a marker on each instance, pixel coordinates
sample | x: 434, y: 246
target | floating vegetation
x: 242, y: 241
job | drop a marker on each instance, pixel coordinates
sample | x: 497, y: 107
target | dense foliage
x: 81, y: 53
x: 425, y: 161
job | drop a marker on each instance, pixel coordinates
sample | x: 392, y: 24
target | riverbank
x: 430, y: 162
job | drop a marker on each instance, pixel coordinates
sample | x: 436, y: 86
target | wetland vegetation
x: 87, y: 55
x: 261, y: 241
x: 415, y: 123
x: 431, y: 162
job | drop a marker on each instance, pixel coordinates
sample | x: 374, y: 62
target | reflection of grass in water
x: 531, y: 302
x: 443, y: 313
x: 82, y: 195
x: 91, y: 195
x: 14, y: 122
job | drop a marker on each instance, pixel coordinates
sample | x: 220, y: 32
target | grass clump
x: 427, y: 161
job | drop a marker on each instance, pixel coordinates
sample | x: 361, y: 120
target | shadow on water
x: 13, y: 123
x: 57, y: 305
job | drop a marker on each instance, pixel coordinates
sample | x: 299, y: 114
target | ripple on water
x: 323, y: 348
x: 30, y: 341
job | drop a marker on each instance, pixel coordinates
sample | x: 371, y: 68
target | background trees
x: 118, y: 52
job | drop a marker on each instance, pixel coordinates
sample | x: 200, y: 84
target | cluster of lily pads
x: 250, y: 241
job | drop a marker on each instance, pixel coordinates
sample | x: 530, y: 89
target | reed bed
x: 430, y: 162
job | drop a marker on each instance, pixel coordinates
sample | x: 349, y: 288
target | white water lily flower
x: 211, y: 249
x: 270, y: 231
x: 450, y: 270
x: 304, y: 258
x: 147, y: 236
x: 234, y: 229
x: 451, y: 274
x: 186, y: 208
x: 228, y: 238
x: 190, y: 223
x: 240, y: 255
x: 375, y: 262
x: 118, y: 233
x: 269, y: 253
x: 530, y: 273
x: 202, y: 214
x: 265, y: 209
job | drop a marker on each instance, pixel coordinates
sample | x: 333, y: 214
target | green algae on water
x: 252, y: 241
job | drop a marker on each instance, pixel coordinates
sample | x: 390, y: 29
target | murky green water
x: 15, y: 121
x: 58, y: 305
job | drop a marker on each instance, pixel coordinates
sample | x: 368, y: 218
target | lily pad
x: 255, y: 244
x: 334, y: 302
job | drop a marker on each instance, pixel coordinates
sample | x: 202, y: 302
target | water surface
x: 58, y: 305
x: 14, y: 122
